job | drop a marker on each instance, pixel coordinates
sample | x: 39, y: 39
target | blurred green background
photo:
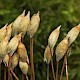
x: 52, y: 13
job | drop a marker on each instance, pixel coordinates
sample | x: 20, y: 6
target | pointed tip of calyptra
x: 10, y: 24
x: 78, y: 26
x: 23, y: 13
x: 38, y: 13
x: 5, y: 26
x: 28, y: 14
x: 59, y: 27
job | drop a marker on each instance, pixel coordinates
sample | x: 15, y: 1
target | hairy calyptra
x: 3, y: 32
x: 14, y: 60
x: 23, y: 66
x: 73, y: 33
x: 22, y: 52
x: 3, y: 47
x: 24, y: 24
x: 9, y: 31
x: 34, y: 24
x: 62, y: 48
x: 47, y: 55
x: 16, y: 23
x: 53, y: 37
x: 13, y: 44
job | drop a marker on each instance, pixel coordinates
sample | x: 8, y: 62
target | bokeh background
x: 52, y: 13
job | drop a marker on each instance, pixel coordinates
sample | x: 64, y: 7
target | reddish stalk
x: 62, y: 69
x: 27, y: 77
x: 29, y: 67
x: 47, y: 71
x: 64, y: 64
x: 4, y: 73
x: 57, y: 71
x: 66, y: 68
x: 10, y: 69
x: 0, y: 71
x: 14, y: 74
x: 52, y: 64
x: 31, y: 59
x: 22, y: 76
x: 9, y: 74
